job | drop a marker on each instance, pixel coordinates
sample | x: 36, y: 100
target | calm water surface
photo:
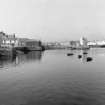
x: 53, y: 78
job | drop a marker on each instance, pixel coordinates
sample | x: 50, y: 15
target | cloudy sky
x: 51, y: 20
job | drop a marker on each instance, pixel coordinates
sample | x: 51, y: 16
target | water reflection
x: 32, y: 56
x: 6, y: 60
x: 20, y: 58
x: 84, y: 58
x: 57, y: 80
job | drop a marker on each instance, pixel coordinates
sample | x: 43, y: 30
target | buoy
x: 89, y: 59
x: 79, y: 56
x: 70, y: 54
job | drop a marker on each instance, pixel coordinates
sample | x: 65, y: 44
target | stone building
x: 7, y: 40
x: 34, y: 44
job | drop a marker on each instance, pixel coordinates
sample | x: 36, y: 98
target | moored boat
x: 38, y: 48
x: 80, y: 48
x: 7, y: 51
x: 70, y: 54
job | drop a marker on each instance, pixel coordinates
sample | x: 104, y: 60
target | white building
x: 100, y: 43
x: 91, y: 43
x: 65, y: 44
x: 96, y: 43
x: 7, y: 40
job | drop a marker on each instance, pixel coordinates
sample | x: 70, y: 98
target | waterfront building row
x: 10, y: 41
x: 83, y: 42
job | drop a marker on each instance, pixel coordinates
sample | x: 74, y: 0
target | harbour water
x: 53, y: 78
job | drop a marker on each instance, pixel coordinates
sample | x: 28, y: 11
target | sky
x: 53, y: 20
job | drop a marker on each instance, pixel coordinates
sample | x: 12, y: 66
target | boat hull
x: 7, y: 52
x: 80, y: 48
x: 35, y: 48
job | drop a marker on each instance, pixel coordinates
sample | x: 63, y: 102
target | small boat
x: 70, y: 54
x: 89, y: 59
x: 79, y: 56
x: 85, y: 53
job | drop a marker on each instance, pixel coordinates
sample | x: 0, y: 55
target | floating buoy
x: 79, y: 56
x: 70, y: 54
x: 89, y: 59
